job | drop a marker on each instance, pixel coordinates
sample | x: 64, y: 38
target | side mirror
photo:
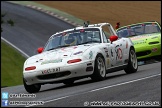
x: 40, y: 49
x: 113, y: 38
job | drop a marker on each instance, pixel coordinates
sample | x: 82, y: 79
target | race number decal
x: 118, y: 53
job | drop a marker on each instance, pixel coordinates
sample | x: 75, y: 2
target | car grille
x: 143, y: 53
x: 54, y: 75
x: 156, y: 42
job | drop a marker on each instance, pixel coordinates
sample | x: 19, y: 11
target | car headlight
x: 30, y: 68
x: 74, y: 61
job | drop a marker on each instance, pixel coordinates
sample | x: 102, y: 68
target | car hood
x: 58, y: 55
x: 147, y: 39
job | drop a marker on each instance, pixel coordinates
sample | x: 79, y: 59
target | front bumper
x: 148, y: 51
x: 66, y: 72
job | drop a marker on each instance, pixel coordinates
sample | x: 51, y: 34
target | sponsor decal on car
x: 139, y: 42
x: 90, y: 55
x: 154, y: 49
x: 78, y: 53
x: 106, y: 51
x: 108, y: 61
x: 52, y: 61
x: 140, y: 37
x: 126, y: 44
x: 154, y: 37
x: 118, y: 62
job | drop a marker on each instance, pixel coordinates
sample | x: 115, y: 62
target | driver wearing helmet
x: 70, y: 40
x: 125, y: 33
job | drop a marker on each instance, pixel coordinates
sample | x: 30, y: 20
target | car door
x: 112, y: 54
x: 115, y: 49
x: 107, y: 50
x: 107, y: 32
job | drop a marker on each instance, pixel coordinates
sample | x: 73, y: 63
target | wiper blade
x: 50, y: 49
x: 58, y: 47
x: 131, y: 35
x: 88, y: 42
x: 63, y: 46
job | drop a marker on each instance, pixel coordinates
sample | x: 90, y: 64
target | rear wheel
x: 132, y: 63
x: 31, y: 88
x: 99, y: 69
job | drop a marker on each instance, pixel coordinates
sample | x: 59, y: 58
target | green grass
x: 11, y: 66
x: 12, y: 61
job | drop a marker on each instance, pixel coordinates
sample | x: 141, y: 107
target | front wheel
x: 132, y: 63
x: 31, y: 88
x: 99, y: 69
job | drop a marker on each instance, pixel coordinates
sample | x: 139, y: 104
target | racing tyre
x: 31, y: 88
x: 99, y: 69
x: 132, y: 63
x: 68, y: 82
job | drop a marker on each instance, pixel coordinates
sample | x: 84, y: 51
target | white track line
x: 100, y: 88
x: 27, y: 56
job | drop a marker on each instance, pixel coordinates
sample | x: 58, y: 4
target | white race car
x: 78, y: 53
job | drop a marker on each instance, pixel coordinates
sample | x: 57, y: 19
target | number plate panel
x: 48, y: 71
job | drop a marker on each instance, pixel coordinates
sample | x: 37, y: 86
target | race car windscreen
x: 138, y: 29
x: 74, y: 37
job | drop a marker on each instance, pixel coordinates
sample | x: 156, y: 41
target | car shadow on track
x: 79, y: 83
x: 140, y: 63
x: 88, y: 80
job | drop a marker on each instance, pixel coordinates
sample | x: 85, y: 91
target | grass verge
x: 11, y: 66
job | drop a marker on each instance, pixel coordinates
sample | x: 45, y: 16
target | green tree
x: 3, y: 21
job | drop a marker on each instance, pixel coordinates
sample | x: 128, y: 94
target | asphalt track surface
x: 33, y: 28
